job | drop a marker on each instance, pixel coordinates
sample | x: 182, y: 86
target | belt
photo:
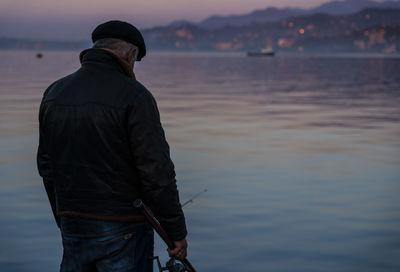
x: 128, y: 218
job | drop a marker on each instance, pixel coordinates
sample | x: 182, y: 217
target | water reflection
x: 300, y: 156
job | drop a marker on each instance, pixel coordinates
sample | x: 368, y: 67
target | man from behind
x: 101, y: 147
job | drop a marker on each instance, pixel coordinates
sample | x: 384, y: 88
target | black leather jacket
x: 102, y: 146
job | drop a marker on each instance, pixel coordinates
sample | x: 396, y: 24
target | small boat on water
x: 262, y: 52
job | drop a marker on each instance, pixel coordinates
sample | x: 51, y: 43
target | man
x: 101, y: 147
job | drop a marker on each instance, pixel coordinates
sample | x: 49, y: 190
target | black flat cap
x: 123, y: 31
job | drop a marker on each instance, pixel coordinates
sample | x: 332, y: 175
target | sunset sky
x: 74, y: 19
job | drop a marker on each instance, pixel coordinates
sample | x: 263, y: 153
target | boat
x: 262, y: 52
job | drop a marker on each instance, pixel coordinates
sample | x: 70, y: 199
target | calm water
x: 300, y: 157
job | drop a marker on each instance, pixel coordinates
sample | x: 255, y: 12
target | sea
x: 295, y: 159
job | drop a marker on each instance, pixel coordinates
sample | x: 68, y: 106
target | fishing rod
x: 173, y: 265
x: 195, y: 196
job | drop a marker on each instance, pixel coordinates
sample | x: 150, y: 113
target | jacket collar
x: 126, y: 67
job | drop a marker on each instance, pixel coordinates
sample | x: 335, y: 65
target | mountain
x: 351, y: 6
x: 179, y: 23
x: 382, y: 39
x: 274, y: 14
x: 370, y: 30
x: 257, y: 16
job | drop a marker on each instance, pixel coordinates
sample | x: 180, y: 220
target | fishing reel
x: 173, y: 265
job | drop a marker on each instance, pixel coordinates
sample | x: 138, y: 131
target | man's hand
x: 179, y: 252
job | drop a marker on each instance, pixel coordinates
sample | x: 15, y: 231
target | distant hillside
x: 257, y: 16
x: 352, y: 6
x: 274, y: 14
x: 299, y: 33
x: 378, y: 39
x: 369, y: 30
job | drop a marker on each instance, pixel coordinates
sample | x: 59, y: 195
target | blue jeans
x: 91, y: 245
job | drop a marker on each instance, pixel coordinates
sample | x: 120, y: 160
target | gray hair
x: 119, y: 46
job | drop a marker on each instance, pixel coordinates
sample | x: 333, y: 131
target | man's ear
x: 131, y: 54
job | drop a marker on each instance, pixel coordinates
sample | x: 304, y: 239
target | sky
x: 75, y: 19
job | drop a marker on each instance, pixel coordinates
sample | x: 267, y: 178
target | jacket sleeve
x: 44, y: 166
x: 152, y: 161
